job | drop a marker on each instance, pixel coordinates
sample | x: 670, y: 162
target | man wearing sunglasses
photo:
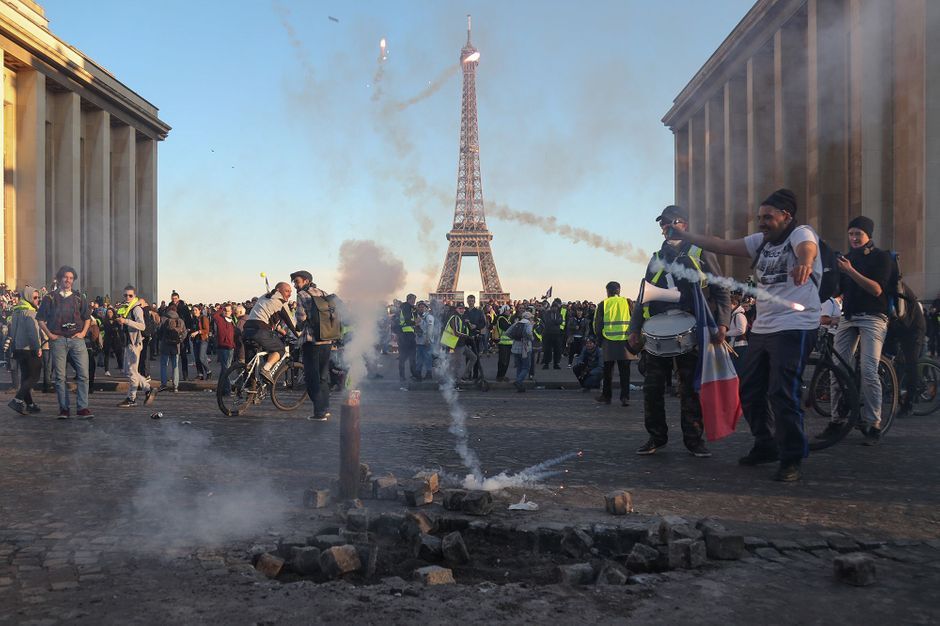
x: 130, y: 315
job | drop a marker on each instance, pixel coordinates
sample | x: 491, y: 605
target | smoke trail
x: 692, y: 275
x: 428, y: 91
x: 458, y: 416
x: 549, y: 224
x: 369, y: 277
x: 296, y: 43
x: 379, y: 72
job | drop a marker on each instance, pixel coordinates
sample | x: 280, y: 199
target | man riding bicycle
x: 271, y: 308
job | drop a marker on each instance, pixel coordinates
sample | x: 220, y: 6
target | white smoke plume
x: 692, y: 275
x: 550, y: 225
x: 369, y: 277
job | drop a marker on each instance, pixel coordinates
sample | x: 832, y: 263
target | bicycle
x: 925, y: 398
x: 242, y: 385
x: 829, y: 366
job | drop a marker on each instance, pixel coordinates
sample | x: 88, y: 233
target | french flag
x: 716, y: 380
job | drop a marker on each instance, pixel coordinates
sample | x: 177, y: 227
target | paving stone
x: 708, y: 525
x: 753, y: 543
x: 576, y: 543
x: 643, y: 559
x: 643, y: 579
x: 769, y: 554
x: 454, y: 549
x: 810, y: 543
x: 369, y: 558
x: 477, y: 503
x: 306, y: 560
x: 432, y: 478
x: 855, y: 569
x: 269, y: 565
x: 415, y: 523
x: 387, y: 524
x: 452, y: 498
x: 316, y: 498
x: 612, y: 574
x: 631, y: 533
x: 841, y: 543
x: 619, y: 502
x: 577, y: 574
x: 355, y: 536
x: 339, y: 560
x: 606, y: 539
x: 385, y: 488
x: 328, y: 541
x: 357, y: 519
x: 427, y: 548
x: 785, y: 544
x: 550, y: 536
x: 434, y: 575
x: 724, y: 545
x: 417, y: 493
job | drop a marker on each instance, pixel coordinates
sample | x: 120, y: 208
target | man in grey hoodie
x: 27, y: 350
x: 131, y: 317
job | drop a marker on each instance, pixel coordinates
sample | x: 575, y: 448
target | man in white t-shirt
x: 831, y: 314
x: 786, y: 264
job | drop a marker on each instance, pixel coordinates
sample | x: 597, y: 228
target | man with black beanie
x: 786, y: 264
x: 865, y: 271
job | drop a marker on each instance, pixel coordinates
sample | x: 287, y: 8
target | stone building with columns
x: 79, y: 164
x: 838, y: 100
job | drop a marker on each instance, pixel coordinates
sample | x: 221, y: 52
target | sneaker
x: 405, y: 388
x: 520, y: 388
x: 63, y: 414
x: 788, y: 472
x: 832, y: 429
x: 699, y: 451
x: 872, y: 436
x: 557, y: 367
x: 602, y: 400
x: 85, y: 414
x: 127, y: 403
x: 176, y: 389
x: 650, y: 447
x: 17, y: 405
x: 33, y: 408
x: 163, y: 388
x: 624, y: 403
x: 319, y: 417
x: 758, y: 456
x: 151, y: 396
x: 107, y: 373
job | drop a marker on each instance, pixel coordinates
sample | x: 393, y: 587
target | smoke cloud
x: 434, y: 86
x: 369, y: 277
x: 549, y: 224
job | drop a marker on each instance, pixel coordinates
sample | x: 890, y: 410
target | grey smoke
x: 428, y: 91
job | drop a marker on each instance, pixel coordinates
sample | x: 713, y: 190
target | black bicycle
x: 242, y: 385
x: 924, y: 398
x: 830, y: 369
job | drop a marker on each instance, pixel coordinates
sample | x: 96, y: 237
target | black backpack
x: 895, y: 289
x: 516, y: 331
x: 174, y: 330
x: 150, y: 325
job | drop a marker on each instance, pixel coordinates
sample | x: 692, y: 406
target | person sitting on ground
x: 589, y: 366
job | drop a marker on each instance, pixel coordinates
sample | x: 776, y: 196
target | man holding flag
x: 689, y: 365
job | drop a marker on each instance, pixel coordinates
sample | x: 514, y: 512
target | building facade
x: 79, y: 163
x: 838, y: 100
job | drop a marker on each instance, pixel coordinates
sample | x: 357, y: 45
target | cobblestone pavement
x: 131, y: 519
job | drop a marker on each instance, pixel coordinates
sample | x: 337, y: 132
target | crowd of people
x: 869, y: 307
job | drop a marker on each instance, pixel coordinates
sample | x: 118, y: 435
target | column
x: 96, y: 221
x: 66, y: 117
x: 696, y: 207
x: 760, y: 132
x: 736, y: 206
x: 790, y: 107
x: 931, y: 180
x: 7, y: 211
x: 715, y: 165
x: 123, y: 209
x: 30, y: 185
x: 827, y: 118
x: 147, y: 217
x: 682, y: 166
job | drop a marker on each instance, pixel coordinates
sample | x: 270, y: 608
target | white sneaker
x: 107, y: 373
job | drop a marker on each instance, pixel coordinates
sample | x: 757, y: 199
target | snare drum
x: 669, y: 334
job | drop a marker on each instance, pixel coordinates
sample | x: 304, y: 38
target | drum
x: 669, y: 334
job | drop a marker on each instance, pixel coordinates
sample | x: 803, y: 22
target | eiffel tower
x: 469, y: 235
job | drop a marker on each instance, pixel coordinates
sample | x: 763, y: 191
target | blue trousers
x: 168, y: 361
x: 70, y: 350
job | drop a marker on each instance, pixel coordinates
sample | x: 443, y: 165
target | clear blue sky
x: 278, y: 151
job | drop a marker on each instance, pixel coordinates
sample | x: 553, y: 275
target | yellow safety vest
x: 695, y: 255
x: 504, y: 339
x: 616, y: 318
x: 448, y: 338
x: 564, y: 318
x: 405, y: 327
x: 125, y: 309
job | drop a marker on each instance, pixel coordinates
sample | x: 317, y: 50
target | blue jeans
x: 200, y: 348
x: 167, y: 361
x: 867, y: 334
x: 70, y: 350
x: 225, y: 361
x: 425, y: 363
x: 522, y: 367
x: 316, y: 360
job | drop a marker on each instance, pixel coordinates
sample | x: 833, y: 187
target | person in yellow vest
x: 504, y: 351
x: 659, y: 368
x: 453, y: 341
x: 130, y: 315
x: 610, y: 328
x: 407, y: 347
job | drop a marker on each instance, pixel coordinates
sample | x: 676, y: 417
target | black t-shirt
x: 874, y: 264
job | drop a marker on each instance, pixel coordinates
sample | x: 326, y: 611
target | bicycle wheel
x: 824, y: 431
x: 819, y: 392
x: 233, y: 391
x: 926, y: 399
x: 889, y: 393
x: 289, y: 388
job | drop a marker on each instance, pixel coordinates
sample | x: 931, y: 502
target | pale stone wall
x: 79, y: 162
x: 839, y: 100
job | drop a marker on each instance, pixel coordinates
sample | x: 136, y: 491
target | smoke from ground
x: 549, y: 224
x: 369, y: 277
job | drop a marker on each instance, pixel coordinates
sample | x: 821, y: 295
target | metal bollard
x: 349, y: 446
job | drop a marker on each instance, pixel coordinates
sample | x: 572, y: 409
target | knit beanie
x: 864, y: 224
x: 782, y: 199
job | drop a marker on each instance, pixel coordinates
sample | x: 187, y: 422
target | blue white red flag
x: 716, y: 380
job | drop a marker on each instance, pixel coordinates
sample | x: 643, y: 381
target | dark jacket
x: 167, y: 346
x: 872, y: 263
x: 577, y: 327
x: 552, y: 320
